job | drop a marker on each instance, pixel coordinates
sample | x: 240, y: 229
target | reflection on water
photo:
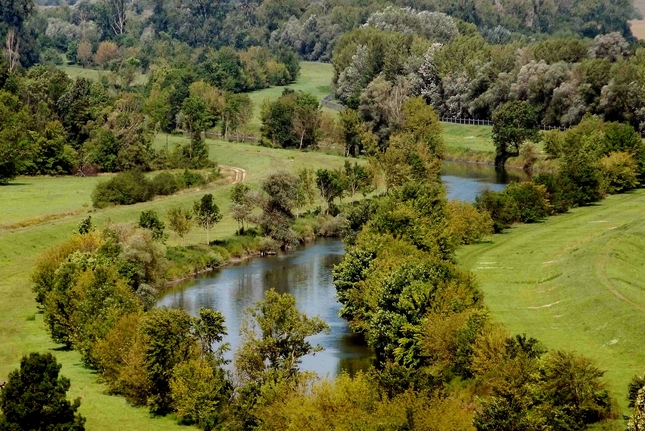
x: 464, y: 181
x: 306, y: 274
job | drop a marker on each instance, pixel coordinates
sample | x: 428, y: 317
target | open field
x: 95, y: 74
x: 574, y: 282
x: 464, y: 137
x: 22, y: 329
x: 315, y: 78
x: 638, y: 26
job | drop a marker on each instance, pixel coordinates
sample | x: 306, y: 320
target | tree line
x: 462, y: 74
x: 310, y: 29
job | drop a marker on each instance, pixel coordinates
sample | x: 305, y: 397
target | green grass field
x: 22, y: 329
x: 464, y: 137
x: 315, y: 78
x: 574, y: 282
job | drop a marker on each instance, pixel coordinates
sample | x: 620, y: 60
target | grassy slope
x: 574, y: 282
x: 315, y: 78
x: 19, y: 334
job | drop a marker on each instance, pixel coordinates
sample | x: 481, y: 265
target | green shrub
x: 164, y: 184
x: 125, y: 188
x: 557, y: 192
x: 502, y: 209
x: 619, y: 172
x: 531, y: 201
x: 328, y: 226
x: 467, y: 224
x: 188, y: 179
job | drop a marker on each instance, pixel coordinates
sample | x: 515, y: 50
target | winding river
x: 306, y: 274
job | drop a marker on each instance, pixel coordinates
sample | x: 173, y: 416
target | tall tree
x: 198, y: 119
x: 513, y: 124
x: 207, y: 214
x: 274, y: 339
x: 180, y: 221
x: 34, y: 398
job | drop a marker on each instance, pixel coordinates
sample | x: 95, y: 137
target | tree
x: 240, y: 206
x: 168, y: 344
x: 85, y: 226
x: 34, y: 398
x: 105, y: 53
x: 207, y: 214
x: 238, y: 110
x: 353, y: 130
x: 180, y: 221
x: 14, y: 118
x: 513, y: 124
x: 84, y: 53
x: 306, y: 187
x: 198, y: 119
x: 306, y: 119
x: 330, y: 185
x: 150, y: 220
x: 274, y: 339
x: 281, y: 191
x: 358, y: 178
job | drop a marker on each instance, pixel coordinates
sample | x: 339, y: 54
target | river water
x: 306, y: 274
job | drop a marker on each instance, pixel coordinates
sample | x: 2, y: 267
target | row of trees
x: 97, y: 291
x: 378, y: 67
x: 52, y: 125
x: 594, y: 159
x: 311, y: 29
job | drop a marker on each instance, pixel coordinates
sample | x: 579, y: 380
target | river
x: 306, y: 274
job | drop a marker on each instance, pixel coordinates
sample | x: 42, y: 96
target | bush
x: 189, y: 179
x: 468, y: 225
x: 164, y: 184
x: 531, y: 201
x: 502, y: 208
x: 557, y: 192
x: 126, y: 188
x: 329, y: 226
x: 619, y: 172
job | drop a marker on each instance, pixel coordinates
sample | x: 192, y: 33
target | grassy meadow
x: 574, y: 282
x: 54, y: 207
x: 315, y: 78
x: 74, y: 71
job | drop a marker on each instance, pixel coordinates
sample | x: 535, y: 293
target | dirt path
x: 240, y: 174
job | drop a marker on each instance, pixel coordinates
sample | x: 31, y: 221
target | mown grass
x: 575, y: 282
x: 20, y: 333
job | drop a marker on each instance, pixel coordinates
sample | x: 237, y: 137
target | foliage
x: 280, y: 194
x: 513, y: 124
x: 468, y: 225
x: 619, y: 172
x: 150, y: 220
x: 293, y: 120
x: 164, y: 184
x: 34, y: 397
x: 179, y: 221
x: 206, y: 214
x: 531, y: 200
x: 274, y: 336
x: 125, y: 188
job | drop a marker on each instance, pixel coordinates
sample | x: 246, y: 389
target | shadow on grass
x: 14, y: 184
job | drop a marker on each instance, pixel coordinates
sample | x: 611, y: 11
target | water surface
x: 306, y: 274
